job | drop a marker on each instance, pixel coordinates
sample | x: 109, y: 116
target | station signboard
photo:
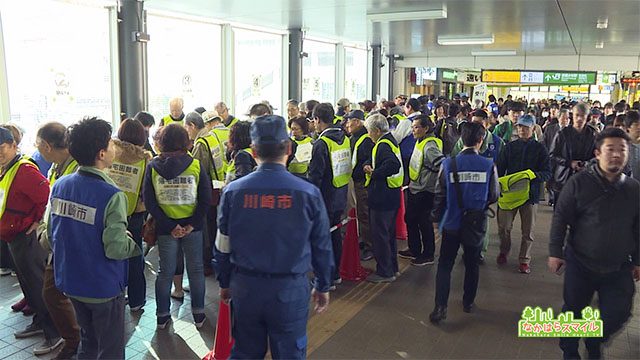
x: 539, y: 77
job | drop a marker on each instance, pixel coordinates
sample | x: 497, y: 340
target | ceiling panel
x: 534, y: 27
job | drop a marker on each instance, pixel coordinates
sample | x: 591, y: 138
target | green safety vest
x: 394, y: 181
x: 7, y: 180
x: 514, y: 189
x: 215, y: 146
x: 128, y: 178
x: 72, y: 166
x: 354, y: 156
x: 233, y: 122
x: 417, y: 157
x: 178, y: 197
x: 300, y: 163
x: 169, y: 120
x: 337, y: 119
x: 339, y: 156
x: 231, y: 168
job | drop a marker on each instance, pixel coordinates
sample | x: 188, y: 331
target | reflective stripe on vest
x: 354, y: 156
x: 394, y: 181
x: 128, y: 178
x: 178, y: 197
x: 339, y: 156
x: 216, y: 149
x: 167, y: 120
x: 417, y: 157
x: 300, y: 162
x: 7, y: 180
x: 514, y: 189
x: 72, y: 166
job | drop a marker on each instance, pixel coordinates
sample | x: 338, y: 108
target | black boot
x: 439, y: 313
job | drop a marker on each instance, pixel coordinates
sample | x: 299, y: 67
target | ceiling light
x: 493, y: 53
x: 465, y: 40
x: 600, y: 45
x: 602, y: 23
x: 408, y: 15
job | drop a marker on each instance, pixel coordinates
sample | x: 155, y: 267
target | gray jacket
x: 432, y: 158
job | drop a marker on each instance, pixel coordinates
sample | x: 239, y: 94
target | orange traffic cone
x: 350, y: 267
x: 223, y: 341
x: 401, y: 226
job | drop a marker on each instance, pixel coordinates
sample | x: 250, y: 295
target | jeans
x: 168, y: 247
x: 137, y: 289
x: 102, y: 329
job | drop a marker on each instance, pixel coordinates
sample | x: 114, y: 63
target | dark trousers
x: 6, y: 262
x: 209, y: 240
x: 137, y: 289
x: 615, y: 296
x: 336, y: 241
x: 29, y: 260
x: 102, y: 329
x: 269, y: 309
x: 385, y: 246
x: 448, y: 253
x: 419, y: 228
x: 61, y: 310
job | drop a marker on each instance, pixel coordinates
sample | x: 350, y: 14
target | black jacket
x: 567, y: 146
x: 603, y: 220
x: 550, y: 133
x: 321, y: 175
x: 520, y: 155
x: 363, y: 155
x: 381, y: 197
x: 447, y: 131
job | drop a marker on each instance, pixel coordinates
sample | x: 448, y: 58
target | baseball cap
x: 344, y: 102
x: 6, y: 137
x: 355, y: 114
x: 526, y: 120
x: 269, y: 129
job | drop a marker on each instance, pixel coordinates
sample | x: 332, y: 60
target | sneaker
x: 14, y: 274
x: 30, y: 330
x: 178, y: 295
x: 438, y: 314
x: 502, y: 259
x: 199, y: 319
x: 186, y: 288
x: 163, y: 321
x: 397, y: 273
x: 332, y: 288
x: 28, y: 311
x: 337, y: 281
x: 47, y: 346
x: 481, y: 258
x: 366, y: 255
x: 66, y: 353
x: 19, y: 305
x: 375, y: 278
x: 524, y: 268
x: 137, y: 308
x: 5, y: 272
x: 422, y: 261
x: 406, y: 254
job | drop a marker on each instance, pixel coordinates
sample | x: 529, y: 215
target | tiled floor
x: 393, y: 325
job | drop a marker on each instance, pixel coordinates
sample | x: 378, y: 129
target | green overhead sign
x: 449, y: 75
x: 569, y: 78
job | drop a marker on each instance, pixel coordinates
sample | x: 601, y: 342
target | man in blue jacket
x: 263, y: 267
x: 478, y: 185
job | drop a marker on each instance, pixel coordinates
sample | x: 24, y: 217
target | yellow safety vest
x: 514, y: 189
x: 337, y: 119
x: 354, y: 156
x: 231, y: 168
x: 233, y: 122
x: 339, y: 156
x: 128, y: 178
x: 178, y: 197
x: 417, y: 157
x: 72, y: 166
x: 300, y: 163
x: 7, y: 180
x: 169, y: 120
x: 394, y: 181
x: 216, y: 148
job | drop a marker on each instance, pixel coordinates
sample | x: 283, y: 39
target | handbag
x: 149, y: 234
x: 473, y: 226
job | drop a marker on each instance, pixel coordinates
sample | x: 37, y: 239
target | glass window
x: 57, y: 70
x: 319, y: 72
x: 258, y: 69
x: 355, y: 74
x: 184, y: 60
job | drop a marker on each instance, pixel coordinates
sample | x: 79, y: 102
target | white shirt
x: 404, y: 127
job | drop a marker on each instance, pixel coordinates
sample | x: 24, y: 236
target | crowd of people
x: 73, y: 233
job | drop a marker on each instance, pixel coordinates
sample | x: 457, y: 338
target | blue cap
x: 526, y: 120
x: 268, y: 129
x: 6, y: 136
x: 355, y: 114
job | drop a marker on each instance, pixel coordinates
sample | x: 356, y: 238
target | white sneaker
x: 5, y: 272
x: 47, y: 346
